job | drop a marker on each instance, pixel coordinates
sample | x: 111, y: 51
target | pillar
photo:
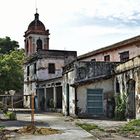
x: 45, y: 104
x: 54, y: 97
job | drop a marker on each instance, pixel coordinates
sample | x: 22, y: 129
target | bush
x: 11, y: 115
x: 120, y: 108
x: 133, y: 125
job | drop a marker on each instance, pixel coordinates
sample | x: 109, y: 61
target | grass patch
x: 89, y: 127
x: 132, y: 127
x: 1, y: 127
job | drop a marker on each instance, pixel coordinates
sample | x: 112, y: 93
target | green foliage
x: 7, y: 45
x: 120, y: 107
x: 11, y: 71
x: 1, y: 127
x: 11, y: 115
x: 89, y: 127
x: 132, y: 126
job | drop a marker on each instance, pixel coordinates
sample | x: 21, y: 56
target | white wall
x: 68, y: 78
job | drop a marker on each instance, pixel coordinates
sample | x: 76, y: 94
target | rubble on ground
x: 32, y: 129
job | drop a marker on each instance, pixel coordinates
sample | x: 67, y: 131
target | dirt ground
x: 56, y: 121
x: 66, y: 125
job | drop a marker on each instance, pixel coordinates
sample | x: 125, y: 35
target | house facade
x: 118, y: 52
x: 88, y: 89
x: 127, y: 82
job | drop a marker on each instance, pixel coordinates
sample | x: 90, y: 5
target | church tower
x: 36, y: 37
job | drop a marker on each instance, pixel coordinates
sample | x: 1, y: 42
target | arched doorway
x: 131, y: 107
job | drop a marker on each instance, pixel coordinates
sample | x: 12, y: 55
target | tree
x: 11, y: 71
x: 7, y: 45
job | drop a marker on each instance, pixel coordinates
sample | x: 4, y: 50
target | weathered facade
x: 81, y: 86
x: 88, y: 89
x: 43, y: 68
x: 92, y: 86
x: 127, y: 81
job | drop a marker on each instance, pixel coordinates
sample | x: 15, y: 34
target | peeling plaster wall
x: 28, y: 90
x: 108, y: 90
x: 89, y: 70
x: 68, y: 78
x: 127, y: 71
x: 41, y: 72
x: 42, y: 68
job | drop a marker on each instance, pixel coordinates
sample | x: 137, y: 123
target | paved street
x: 53, y: 120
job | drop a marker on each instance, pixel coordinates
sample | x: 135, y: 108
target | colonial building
x: 43, y: 68
x: 85, y: 85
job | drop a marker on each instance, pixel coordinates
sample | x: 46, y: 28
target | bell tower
x: 36, y: 37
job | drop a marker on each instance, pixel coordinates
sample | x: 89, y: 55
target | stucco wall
x: 28, y: 90
x: 134, y: 50
x: 42, y: 68
x: 68, y: 78
x: 106, y: 85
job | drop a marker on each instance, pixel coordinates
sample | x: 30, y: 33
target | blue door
x: 95, y: 101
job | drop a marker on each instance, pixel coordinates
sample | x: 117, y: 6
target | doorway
x: 130, y: 106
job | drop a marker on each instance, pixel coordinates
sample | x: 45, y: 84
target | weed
x: 120, y: 107
x: 132, y: 126
x: 1, y: 127
x: 89, y: 127
x: 11, y: 115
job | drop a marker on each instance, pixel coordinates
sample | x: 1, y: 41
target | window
x: 107, y: 58
x: 28, y: 70
x: 34, y: 68
x: 93, y: 59
x: 117, y: 87
x: 39, y: 44
x: 124, y: 56
x: 51, y: 68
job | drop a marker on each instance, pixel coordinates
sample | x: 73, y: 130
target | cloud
x: 103, y: 12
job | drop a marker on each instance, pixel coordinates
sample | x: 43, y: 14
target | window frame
x: 124, y: 56
x: 107, y: 58
x: 51, y: 68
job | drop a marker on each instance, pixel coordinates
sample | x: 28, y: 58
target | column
x: 54, y: 96
x: 45, y: 104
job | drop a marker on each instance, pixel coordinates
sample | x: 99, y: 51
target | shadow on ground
x: 20, y: 123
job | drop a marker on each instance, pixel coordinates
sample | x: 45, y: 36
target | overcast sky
x: 81, y: 25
